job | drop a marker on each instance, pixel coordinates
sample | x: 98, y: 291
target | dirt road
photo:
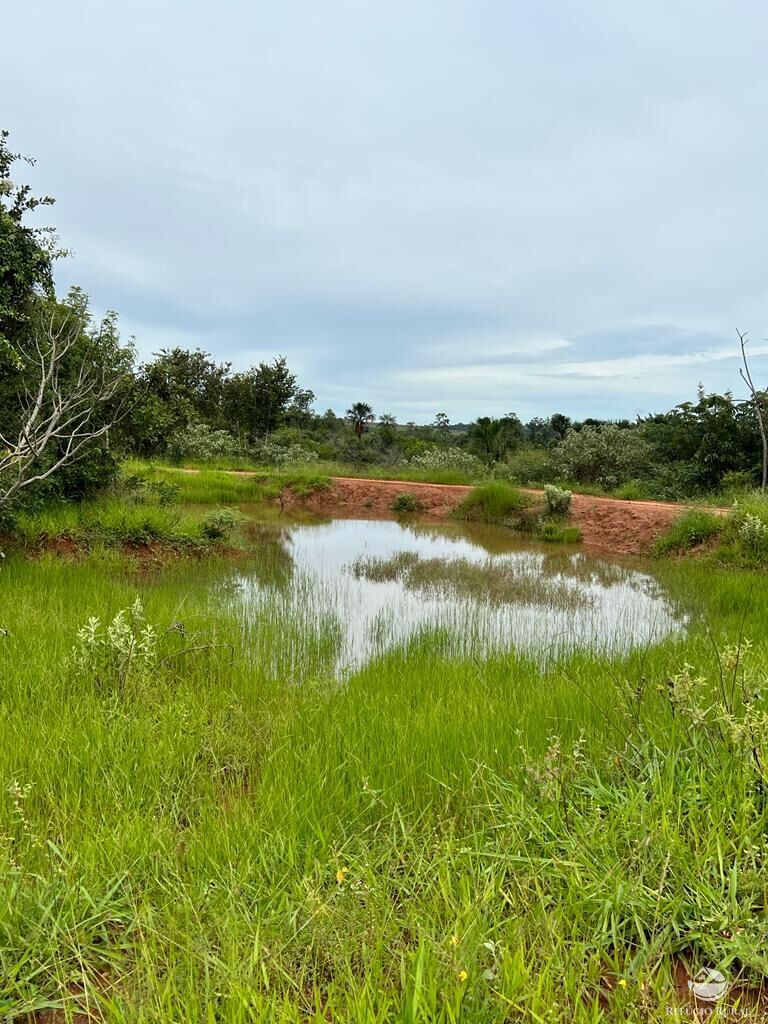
x: 608, y: 524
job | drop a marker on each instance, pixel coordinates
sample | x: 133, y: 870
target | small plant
x: 117, y: 653
x: 406, y: 503
x: 221, y: 523
x: 558, y: 501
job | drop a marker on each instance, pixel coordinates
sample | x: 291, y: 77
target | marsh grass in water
x: 498, y: 582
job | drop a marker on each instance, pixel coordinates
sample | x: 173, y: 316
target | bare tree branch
x: 746, y: 376
x: 60, y: 405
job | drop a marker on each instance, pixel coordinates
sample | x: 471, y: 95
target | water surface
x: 312, y: 582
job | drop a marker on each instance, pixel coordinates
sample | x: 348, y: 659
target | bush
x: 527, y: 466
x: 496, y: 502
x: 221, y: 523
x: 749, y: 525
x: 115, y: 654
x: 270, y: 454
x: 454, y: 460
x: 405, y: 502
x: 558, y: 501
x: 737, y: 483
x: 203, y: 444
x: 689, y: 531
x: 139, y: 490
x: 607, y: 455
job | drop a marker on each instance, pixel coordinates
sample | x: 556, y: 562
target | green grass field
x: 199, y: 823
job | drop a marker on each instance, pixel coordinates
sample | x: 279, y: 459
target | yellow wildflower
x: 463, y: 976
x: 622, y: 983
x: 341, y: 874
x: 454, y: 940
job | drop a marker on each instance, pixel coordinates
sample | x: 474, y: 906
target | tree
x: 261, y: 398
x: 387, y: 428
x: 360, y: 414
x: 491, y: 438
x: 757, y: 399
x: 69, y: 375
x: 26, y: 253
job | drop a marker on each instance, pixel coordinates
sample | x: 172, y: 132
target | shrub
x: 607, y: 455
x: 270, y: 454
x: 558, y: 501
x: 220, y: 524
x: 749, y: 524
x: 496, y: 502
x: 203, y: 444
x: 527, y: 466
x: 689, y: 531
x: 405, y: 502
x: 140, y: 491
x: 736, y: 483
x: 449, y: 459
x: 112, y: 655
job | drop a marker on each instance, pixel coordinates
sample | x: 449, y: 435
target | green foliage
x: 690, y: 530
x: 200, y: 442
x: 490, y: 439
x: 606, y: 455
x: 557, y: 533
x: 527, y: 466
x: 221, y: 523
x: 557, y: 500
x: 704, y: 440
x: 268, y: 453
x: 117, y: 655
x: 360, y: 414
x: 26, y: 256
x: 405, y: 503
x: 265, y: 396
x: 495, y: 502
x: 449, y: 460
x: 736, y: 483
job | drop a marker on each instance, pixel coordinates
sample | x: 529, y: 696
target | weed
x: 405, y: 503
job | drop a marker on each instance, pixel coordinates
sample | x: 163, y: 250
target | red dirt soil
x: 607, y: 524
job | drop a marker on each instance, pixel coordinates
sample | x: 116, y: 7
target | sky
x: 466, y: 206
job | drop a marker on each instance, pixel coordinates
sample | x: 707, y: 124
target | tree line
x: 74, y: 400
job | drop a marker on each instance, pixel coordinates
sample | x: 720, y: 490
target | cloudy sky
x: 471, y: 206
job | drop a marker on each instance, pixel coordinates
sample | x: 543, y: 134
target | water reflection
x: 480, y: 586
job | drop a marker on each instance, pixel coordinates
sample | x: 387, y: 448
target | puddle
x: 354, y: 589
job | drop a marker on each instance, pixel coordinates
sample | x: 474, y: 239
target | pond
x: 349, y: 590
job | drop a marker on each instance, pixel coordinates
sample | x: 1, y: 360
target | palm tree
x: 360, y: 414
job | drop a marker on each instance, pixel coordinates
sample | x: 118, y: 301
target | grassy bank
x: 188, y: 836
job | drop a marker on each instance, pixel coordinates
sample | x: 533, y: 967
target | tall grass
x: 236, y: 837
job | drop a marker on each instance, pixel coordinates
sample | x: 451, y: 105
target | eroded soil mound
x: 608, y: 524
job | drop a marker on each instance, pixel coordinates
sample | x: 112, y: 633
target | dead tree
x: 746, y: 376
x: 65, y: 389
